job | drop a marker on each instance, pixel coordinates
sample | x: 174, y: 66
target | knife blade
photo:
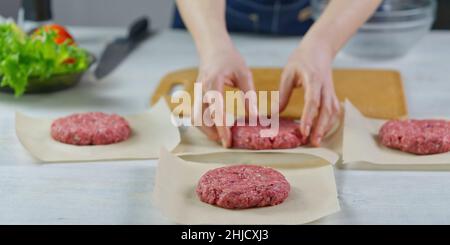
x: 116, y: 51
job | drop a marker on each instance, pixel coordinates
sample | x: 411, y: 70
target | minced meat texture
x: 243, y: 186
x: 421, y: 137
x: 93, y: 128
x: 248, y: 137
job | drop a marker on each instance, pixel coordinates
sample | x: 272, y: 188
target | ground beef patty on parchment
x: 243, y: 186
x: 248, y: 137
x: 93, y: 128
x: 421, y: 137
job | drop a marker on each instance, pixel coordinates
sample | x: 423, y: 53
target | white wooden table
x: 120, y: 192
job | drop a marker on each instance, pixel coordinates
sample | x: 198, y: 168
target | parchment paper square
x: 361, y: 144
x: 151, y: 130
x: 313, y: 194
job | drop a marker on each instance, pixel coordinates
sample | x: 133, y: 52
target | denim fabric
x: 278, y: 17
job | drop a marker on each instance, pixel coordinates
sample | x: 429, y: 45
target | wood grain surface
x: 377, y: 93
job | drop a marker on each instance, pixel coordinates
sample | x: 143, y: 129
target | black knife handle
x: 37, y: 10
x: 138, y: 29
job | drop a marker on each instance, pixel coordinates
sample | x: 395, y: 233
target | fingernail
x: 319, y: 139
x: 307, y: 130
x: 224, y: 143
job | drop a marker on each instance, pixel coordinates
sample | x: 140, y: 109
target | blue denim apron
x: 278, y: 17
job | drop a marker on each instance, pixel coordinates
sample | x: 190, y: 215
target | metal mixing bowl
x: 392, y: 31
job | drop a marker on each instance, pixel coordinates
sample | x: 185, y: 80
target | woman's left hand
x: 310, y: 66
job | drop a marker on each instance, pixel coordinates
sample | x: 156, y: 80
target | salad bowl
x: 54, y: 83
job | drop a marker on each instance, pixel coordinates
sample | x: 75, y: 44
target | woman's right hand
x: 222, y: 65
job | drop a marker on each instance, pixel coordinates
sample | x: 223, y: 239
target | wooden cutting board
x: 376, y: 93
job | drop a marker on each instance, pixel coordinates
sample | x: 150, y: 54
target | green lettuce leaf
x: 22, y: 57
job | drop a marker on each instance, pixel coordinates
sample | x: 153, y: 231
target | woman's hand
x: 222, y: 65
x: 310, y: 66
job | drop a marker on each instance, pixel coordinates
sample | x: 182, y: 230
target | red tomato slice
x: 62, y: 33
x: 69, y: 61
x: 62, y: 36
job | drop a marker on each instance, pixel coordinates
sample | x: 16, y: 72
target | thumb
x: 286, y: 87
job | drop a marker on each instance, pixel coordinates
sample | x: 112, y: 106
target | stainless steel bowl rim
x: 430, y: 9
x: 426, y: 10
x: 398, y: 25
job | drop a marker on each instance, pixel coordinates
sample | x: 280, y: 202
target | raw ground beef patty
x: 243, y: 186
x: 421, y: 137
x: 93, y: 128
x: 248, y: 137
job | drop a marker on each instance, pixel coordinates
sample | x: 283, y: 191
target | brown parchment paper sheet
x: 194, y: 142
x: 361, y: 144
x: 150, y: 131
x: 313, y: 194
